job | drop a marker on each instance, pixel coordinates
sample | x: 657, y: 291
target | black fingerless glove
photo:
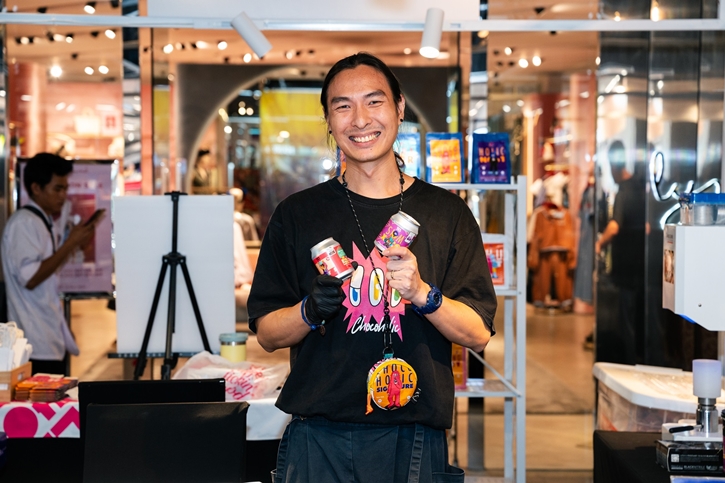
x: 325, y: 299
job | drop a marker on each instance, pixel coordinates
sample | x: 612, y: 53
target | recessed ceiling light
x: 56, y: 71
x: 58, y: 37
x: 523, y: 63
x: 69, y: 38
x: 597, y: 60
x: 407, y: 51
x: 506, y: 108
x: 536, y: 60
x: 168, y: 48
x: 482, y: 34
x: 520, y: 103
x: 508, y: 51
x: 90, y: 8
x: 247, y: 57
x: 103, y: 69
x: 222, y: 45
x: 111, y: 34
x: 88, y: 70
x: 289, y: 54
x: 24, y: 40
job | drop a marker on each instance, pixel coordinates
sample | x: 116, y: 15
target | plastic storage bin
x: 702, y: 208
x: 642, y: 398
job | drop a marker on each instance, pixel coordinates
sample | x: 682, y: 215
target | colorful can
x: 400, y: 230
x: 330, y: 259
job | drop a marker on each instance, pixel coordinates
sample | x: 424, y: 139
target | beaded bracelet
x: 304, y: 318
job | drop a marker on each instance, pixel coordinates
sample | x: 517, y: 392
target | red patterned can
x: 330, y: 259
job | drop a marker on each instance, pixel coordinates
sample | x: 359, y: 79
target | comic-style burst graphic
x: 364, y: 302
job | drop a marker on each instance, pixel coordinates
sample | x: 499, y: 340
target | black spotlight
x: 74, y: 55
x: 42, y: 9
x: 95, y: 33
x: 539, y: 10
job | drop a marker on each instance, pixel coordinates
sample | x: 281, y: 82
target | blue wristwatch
x: 432, y: 302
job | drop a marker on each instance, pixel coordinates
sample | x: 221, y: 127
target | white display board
x: 142, y: 235
x: 317, y: 10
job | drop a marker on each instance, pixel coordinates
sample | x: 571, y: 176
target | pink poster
x: 90, y: 188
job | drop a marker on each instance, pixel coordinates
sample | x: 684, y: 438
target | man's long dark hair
x: 355, y: 60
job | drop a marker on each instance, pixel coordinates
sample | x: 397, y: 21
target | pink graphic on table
x: 364, y: 301
x: 40, y: 420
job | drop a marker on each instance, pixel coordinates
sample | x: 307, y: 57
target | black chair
x: 174, y: 442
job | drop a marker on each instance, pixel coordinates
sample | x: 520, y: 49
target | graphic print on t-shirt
x: 364, y: 301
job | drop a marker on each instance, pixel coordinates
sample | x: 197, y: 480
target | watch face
x: 436, y: 297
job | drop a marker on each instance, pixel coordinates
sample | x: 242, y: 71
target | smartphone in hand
x: 94, y: 217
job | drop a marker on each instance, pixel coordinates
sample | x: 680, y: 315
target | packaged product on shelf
x: 409, y: 150
x: 459, y: 360
x: 490, y: 160
x: 444, y: 157
x: 498, y: 254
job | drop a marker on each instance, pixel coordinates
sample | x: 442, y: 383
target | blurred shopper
x: 626, y: 233
x: 245, y: 220
x: 243, y: 274
x: 31, y: 259
x: 203, y: 180
x: 369, y: 404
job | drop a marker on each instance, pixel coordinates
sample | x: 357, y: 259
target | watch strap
x: 433, y: 301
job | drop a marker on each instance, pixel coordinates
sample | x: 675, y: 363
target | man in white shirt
x: 31, y: 259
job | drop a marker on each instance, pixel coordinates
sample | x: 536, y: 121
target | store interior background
x: 152, y: 98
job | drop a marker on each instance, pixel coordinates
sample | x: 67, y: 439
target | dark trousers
x: 51, y: 367
x: 315, y: 449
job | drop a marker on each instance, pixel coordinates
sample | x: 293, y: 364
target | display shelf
x: 479, y: 186
x: 510, y: 384
x: 485, y: 388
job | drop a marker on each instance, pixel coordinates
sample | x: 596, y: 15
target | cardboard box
x: 8, y: 380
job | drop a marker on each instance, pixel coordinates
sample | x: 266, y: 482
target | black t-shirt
x: 329, y: 373
x: 628, y: 246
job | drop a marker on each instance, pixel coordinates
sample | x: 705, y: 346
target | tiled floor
x: 560, y: 391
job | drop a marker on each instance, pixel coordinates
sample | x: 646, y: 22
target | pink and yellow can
x: 330, y: 259
x: 400, y: 230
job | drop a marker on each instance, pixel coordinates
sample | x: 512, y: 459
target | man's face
x: 362, y: 114
x: 53, y: 195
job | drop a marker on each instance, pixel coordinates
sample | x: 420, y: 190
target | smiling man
x: 31, y: 259
x: 371, y: 386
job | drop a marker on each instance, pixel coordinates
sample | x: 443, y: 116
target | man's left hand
x: 402, y: 275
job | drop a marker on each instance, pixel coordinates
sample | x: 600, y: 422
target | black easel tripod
x: 172, y: 259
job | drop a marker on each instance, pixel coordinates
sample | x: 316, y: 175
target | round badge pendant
x: 391, y: 384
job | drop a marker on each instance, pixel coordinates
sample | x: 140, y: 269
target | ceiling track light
x: 430, y: 43
x: 254, y: 37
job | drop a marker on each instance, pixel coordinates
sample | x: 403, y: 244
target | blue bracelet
x: 304, y: 318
